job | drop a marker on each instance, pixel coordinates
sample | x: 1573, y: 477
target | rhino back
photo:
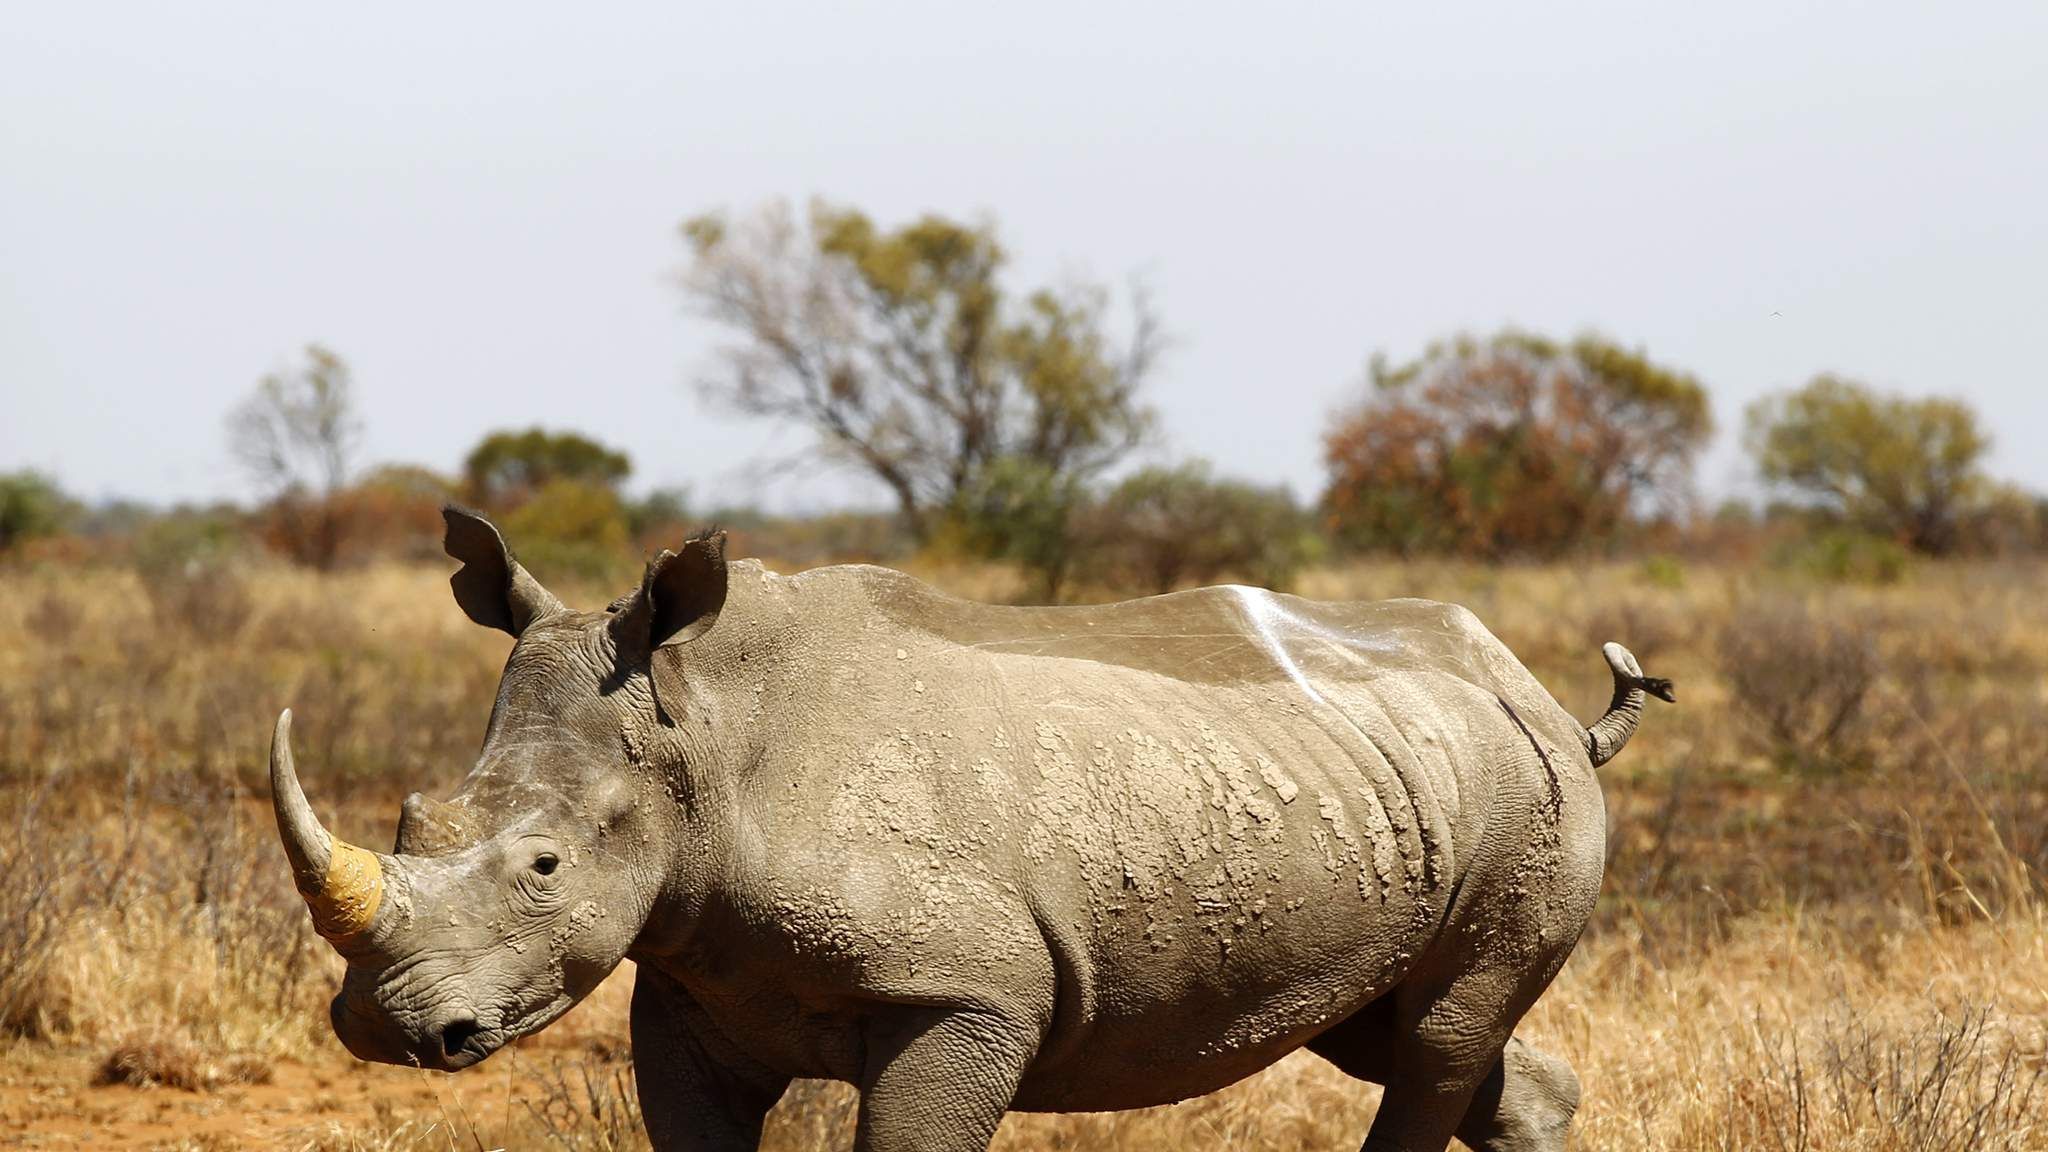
x: 1221, y: 797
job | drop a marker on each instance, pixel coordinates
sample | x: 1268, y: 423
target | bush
x: 1905, y: 467
x: 506, y: 468
x: 1018, y: 509
x: 1647, y: 623
x: 189, y: 561
x: 32, y: 916
x: 395, y: 511
x: 661, y: 518
x: 1801, y: 682
x: 1510, y: 445
x: 1664, y: 571
x: 572, y: 529
x: 2010, y: 522
x: 1846, y: 556
x: 1163, y: 528
x: 31, y: 505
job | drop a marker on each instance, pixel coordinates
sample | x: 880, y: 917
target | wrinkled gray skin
x: 975, y: 858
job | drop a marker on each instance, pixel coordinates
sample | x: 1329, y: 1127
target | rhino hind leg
x: 1447, y: 1074
x: 1524, y: 1105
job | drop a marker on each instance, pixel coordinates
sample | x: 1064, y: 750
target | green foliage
x: 1734, y: 512
x: 506, y: 468
x: 1158, y: 529
x: 902, y: 350
x: 1664, y: 571
x: 1845, y: 556
x: 1900, y: 467
x: 114, y: 520
x: 188, y: 538
x: 2005, y: 520
x: 1019, y: 509
x: 1162, y: 528
x: 1511, y: 444
x: 31, y: 505
x: 189, y: 561
x: 572, y: 528
x: 664, y: 511
x: 413, y: 481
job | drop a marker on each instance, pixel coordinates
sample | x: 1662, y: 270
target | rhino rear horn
x: 427, y: 827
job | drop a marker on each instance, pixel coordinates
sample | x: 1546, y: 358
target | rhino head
x: 499, y: 909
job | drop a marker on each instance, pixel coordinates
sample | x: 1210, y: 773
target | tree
x: 1022, y: 510
x: 1902, y: 467
x: 1161, y: 528
x: 1511, y: 444
x: 31, y: 505
x: 573, y: 528
x: 395, y: 510
x: 661, y: 515
x: 904, y: 354
x: 297, y: 435
x: 507, y: 468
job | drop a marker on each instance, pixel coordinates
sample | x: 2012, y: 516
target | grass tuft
x: 175, y: 1064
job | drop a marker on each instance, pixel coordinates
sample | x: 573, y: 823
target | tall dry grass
x: 1822, y: 927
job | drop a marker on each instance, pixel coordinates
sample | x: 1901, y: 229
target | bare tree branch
x: 297, y: 435
x: 900, y: 351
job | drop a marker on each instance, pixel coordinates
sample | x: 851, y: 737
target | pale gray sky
x: 477, y: 208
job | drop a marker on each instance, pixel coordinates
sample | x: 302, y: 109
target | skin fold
x: 973, y: 858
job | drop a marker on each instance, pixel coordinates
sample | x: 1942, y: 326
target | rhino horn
x: 427, y: 826
x: 341, y: 883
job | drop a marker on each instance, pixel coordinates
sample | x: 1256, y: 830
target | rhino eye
x: 545, y: 863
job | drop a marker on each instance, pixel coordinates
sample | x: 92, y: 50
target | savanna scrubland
x: 1823, y: 920
x: 1823, y: 924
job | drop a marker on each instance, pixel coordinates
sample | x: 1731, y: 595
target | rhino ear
x: 678, y: 600
x: 491, y: 586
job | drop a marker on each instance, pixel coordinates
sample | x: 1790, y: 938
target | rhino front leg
x: 697, y: 1093
x: 942, y: 1080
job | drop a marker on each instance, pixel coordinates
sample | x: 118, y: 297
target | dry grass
x: 1817, y: 932
x: 173, y: 1064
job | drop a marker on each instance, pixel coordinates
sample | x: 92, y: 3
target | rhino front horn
x: 342, y: 884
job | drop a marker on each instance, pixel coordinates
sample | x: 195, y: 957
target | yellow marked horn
x: 342, y: 884
x: 350, y: 893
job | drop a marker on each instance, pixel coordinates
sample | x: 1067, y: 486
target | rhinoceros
x: 973, y: 858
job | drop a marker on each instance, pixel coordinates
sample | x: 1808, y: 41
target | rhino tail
x: 1610, y: 733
